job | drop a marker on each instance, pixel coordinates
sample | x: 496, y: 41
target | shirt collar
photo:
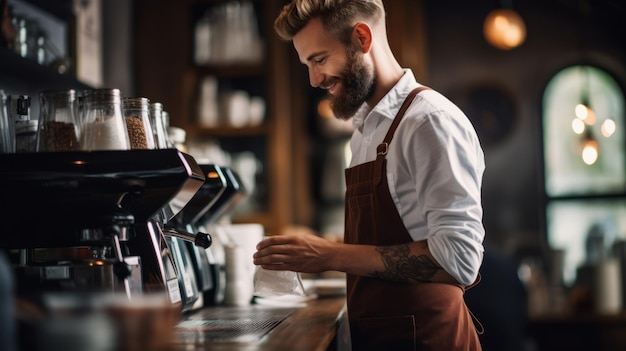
x: 390, y: 104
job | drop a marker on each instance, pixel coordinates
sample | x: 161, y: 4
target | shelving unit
x: 166, y: 72
x: 25, y: 76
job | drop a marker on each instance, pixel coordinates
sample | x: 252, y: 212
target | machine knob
x: 121, y: 270
x: 203, y: 240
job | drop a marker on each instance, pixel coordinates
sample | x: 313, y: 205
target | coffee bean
x: 136, y: 132
x: 57, y: 136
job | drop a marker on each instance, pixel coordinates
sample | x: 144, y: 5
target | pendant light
x: 583, y: 110
x: 587, y: 116
x: 586, y: 122
x: 584, y: 115
x: 590, y: 150
x: 504, y: 28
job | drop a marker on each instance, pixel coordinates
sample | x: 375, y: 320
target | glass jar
x: 26, y: 136
x: 166, y: 127
x: 58, y: 125
x: 177, y: 137
x: 25, y: 128
x: 157, y: 119
x: 137, y: 117
x: 102, y: 125
x: 7, y: 144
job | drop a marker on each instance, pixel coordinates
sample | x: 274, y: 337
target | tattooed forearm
x: 400, y: 266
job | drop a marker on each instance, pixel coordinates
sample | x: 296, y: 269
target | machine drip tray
x: 230, y: 324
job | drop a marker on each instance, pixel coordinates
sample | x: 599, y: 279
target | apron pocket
x: 384, y: 333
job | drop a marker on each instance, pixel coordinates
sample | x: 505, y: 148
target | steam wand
x: 121, y: 269
x: 200, y: 239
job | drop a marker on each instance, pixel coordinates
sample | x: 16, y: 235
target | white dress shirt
x: 435, y: 166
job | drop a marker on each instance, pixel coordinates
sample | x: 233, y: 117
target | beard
x: 358, y: 81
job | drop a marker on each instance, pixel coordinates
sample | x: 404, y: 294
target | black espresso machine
x: 203, y: 277
x: 94, y: 221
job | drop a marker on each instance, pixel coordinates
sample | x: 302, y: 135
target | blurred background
x: 554, y: 190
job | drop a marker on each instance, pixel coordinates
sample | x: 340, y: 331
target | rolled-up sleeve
x: 447, y: 176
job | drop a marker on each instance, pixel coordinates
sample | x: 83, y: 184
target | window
x: 584, y: 165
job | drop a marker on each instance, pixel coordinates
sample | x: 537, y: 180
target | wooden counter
x: 320, y: 325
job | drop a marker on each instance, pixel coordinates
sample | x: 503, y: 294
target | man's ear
x: 362, y: 37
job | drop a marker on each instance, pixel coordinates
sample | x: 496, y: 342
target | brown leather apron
x: 387, y: 315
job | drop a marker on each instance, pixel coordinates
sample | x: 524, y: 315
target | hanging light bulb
x: 585, y: 114
x: 583, y: 110
x: 578, y: 126
x: 504, y: 28
x: 608, y: 127
x: 590, y: 150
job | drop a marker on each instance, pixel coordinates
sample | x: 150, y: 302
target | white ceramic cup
x: 239, y: 265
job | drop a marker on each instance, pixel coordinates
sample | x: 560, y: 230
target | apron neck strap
x: 383, y: 148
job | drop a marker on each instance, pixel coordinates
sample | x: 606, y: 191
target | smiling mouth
x: 331, y: 86
x: 332, y: 89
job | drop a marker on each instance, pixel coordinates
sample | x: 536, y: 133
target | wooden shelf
x: 17, y: 70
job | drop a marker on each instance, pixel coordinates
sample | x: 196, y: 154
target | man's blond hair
x: 338, y: 16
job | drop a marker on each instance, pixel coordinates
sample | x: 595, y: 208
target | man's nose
x: 315, y: 77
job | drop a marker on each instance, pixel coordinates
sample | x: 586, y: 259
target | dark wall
x: 460, y: 60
